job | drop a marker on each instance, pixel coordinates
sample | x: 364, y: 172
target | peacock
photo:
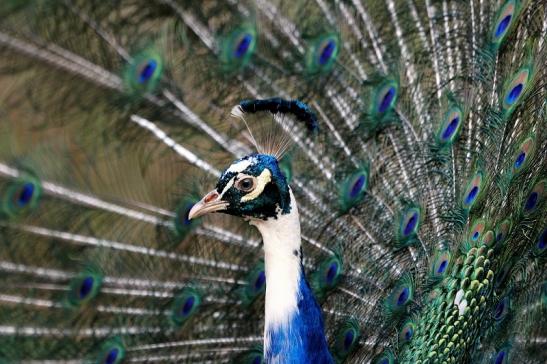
x: 257, y: 181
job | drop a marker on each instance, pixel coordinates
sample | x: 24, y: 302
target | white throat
x: 281, y: 238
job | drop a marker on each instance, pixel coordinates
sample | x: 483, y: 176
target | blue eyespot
x: 243, y: 46
x: 475, y: 235
x: 184, y: 306
x: 327, y: 52
x: 352, y: 189
x: 112, y: 356
x: 471, y: 195
x: 451, y: 128
x: 257, y: 360
x: 357, y: 187
x: 411, y: 224
x: 473, y: 190
x: 531, y: 201
x: 112, y: 352
x: 520, y: 159
x: 534, y: 198
x: 500, y: 357
x: 147, y: 70
x: 539, y: 248
x: 501, y: 309
x: 403, y: 296
x: 408, y: 334
x: 348, y: 339
x: 514, y: 91
x: 387, y: 100
x: 83, y: 288
x: 86, y: 287
x: 442, y: 266
x: 188, y: 305
x: 321, y: 54
x: 542, y: 238
x: 514, y: 94
x: 408, y: 225
x: 25, y: 196
x: 260, y: 280
x: 503, y: 24
x: 332, y: 272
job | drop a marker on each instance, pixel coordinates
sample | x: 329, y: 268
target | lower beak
x: 210, y: 203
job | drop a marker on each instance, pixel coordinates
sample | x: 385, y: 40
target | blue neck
x: 303, y: 339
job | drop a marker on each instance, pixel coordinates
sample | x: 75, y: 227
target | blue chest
x: 303, y: 340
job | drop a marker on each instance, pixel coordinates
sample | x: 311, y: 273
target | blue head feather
x: 275, y: 195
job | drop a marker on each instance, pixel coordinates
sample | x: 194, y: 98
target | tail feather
x: 421, y: 195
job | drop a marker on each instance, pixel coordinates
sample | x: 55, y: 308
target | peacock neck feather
x: 293, y: 331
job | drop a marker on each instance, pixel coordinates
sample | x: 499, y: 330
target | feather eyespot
x: 182, y: 223
x: 353, y: 188
x: 534, y: 198
x: 401, y: 295
x: 476, y: 231
x: 516, y: 88
x: 472, y: 191
x: 327, y: 50
x: 256, y: 284
x: 111, y: 356
x: 541, y: 242
x: 25, y: 196
x: 386, y: 97
x: 184, y: 306
x: 243, y: 45
x: 501, y: 309
x: 504, y: 21
x: 450, y: 126
x: 502, y: 356
x: 21, y: 196
x: 84, y: 288
x: 407, y: 332
x: 146, y: 70
x: 346, y: 340
x: 260, y: 281
x: 322, y: 54
x: 502, y: 231
x: 112, y: 352
x: 440, y: 264
x: 238, y: 47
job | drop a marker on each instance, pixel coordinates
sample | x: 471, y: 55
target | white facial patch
x: 261, y: 181
x: 227, y: 187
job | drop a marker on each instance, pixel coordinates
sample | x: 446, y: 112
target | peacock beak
x: 211, y: 202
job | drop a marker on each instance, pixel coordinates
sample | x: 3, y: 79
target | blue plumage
x: 302, y: 341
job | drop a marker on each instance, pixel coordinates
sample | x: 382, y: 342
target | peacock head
x: 252, y: 187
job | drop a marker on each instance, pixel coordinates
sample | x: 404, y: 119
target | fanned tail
x: 420, y: 177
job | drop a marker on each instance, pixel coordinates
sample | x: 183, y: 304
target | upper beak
x: 210, y: 203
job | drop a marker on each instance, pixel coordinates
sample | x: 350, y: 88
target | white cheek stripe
x: 227, y: 187
x: 262, y: 180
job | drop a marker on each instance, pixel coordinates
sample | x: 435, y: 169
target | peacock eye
x: 246, y: 184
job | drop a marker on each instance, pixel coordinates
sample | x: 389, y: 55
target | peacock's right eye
x: 246, y: 184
